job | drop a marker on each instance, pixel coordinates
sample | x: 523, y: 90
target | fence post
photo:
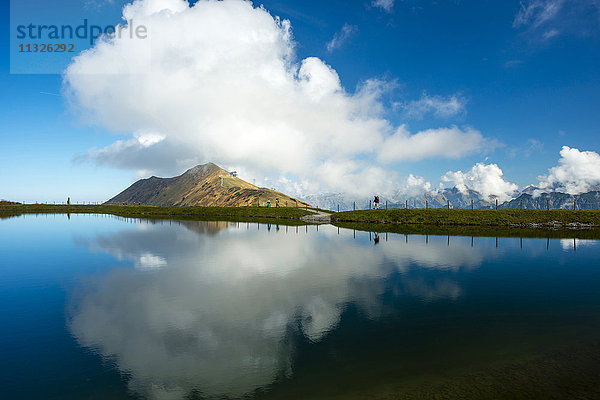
x: 521, y: 204
x: 369, y: 204
x: 471, y: 204
x: 354, y: 206
x: 448, y: 204
x: 426, y: 204
x: 574, y: 204
x: 406, y: 205
x: 386, y: 204
x: 496, y: 204
x: 338, y: 208
x: 548, y: 205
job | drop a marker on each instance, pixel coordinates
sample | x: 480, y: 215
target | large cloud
x: 487, y: 179
x: 577, y: 172
x: 219, y: 82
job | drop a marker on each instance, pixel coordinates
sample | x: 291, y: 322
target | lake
x: 98, y: 306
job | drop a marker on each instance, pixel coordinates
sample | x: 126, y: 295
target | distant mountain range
x: 203, y: 185
x: 210, y: 185
x: 584, y: 201
x: 532, y: 198
x: 440, y: 199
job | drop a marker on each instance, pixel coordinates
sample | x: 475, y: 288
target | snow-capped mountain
x: 532, y: 197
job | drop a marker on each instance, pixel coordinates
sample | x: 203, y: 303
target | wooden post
x: 471, y: 204
x: 426, y: 204
x: 448, y: 204
x: 406, y: 205
x: 354, y: 206
x: 521, y: 204
x: 369, y: 204
x: 548, y: 205
x: 496, y: 204
x: 338, y: 208
x: 386, y: 204
x: 574, y: 204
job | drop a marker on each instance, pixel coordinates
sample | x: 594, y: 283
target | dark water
x: 102, y: 307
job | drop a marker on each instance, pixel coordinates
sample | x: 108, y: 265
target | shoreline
x: 475, y: 222
x: 503, y: 218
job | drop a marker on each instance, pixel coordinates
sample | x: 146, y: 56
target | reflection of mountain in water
x: 206, y: 227
x: 220, y: 312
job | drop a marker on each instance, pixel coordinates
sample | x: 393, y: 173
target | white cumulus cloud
x: 577, y: 172
x: 486, y: 179
x: 219, y: 81
x: 413, y: 186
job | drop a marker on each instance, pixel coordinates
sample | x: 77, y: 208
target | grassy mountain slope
x: 204, y: 185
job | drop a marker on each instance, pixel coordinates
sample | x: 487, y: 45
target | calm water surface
x: 104, y: 307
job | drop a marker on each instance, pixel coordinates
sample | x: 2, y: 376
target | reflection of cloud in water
x: 149, y: 261
x: 216, y: 314
x: 569, y: 244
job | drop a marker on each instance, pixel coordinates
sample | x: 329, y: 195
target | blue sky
x: 526, y: 80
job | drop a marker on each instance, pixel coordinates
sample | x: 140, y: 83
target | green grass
x: 502, y: 218
x: 158, y: 212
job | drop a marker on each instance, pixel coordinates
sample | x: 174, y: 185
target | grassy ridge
x: 504, y: 217
x: 150, y: 211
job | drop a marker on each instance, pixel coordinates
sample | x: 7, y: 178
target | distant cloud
x: 537, y: 12
x: 98, y: 3
x: 543, y: 20
x: 341, y: 37
x: 533, y: 146
x: 486, y: 179
x: 386, y: 5
x: 577, y: 172
x: 443, y: 142
x: 439, y: 106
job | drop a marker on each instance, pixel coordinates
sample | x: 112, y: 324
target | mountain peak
x: 203, y: 169
x: 203, y: 185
